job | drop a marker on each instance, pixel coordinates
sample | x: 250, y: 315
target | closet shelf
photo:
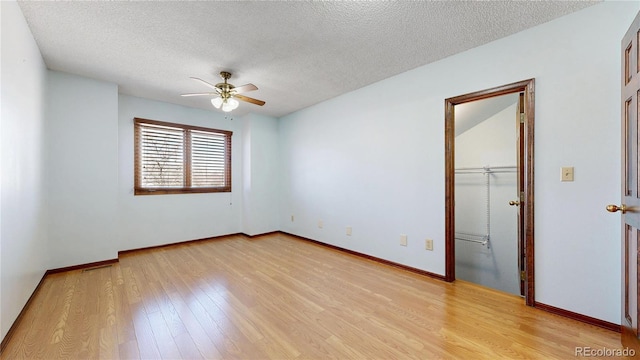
x: 486, y: 171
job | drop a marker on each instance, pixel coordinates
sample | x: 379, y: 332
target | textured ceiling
x: 297, y: 53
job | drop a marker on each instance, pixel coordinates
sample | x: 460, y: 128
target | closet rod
x: 486, y: 170
x: 479, y: 239
x: 487, y: 167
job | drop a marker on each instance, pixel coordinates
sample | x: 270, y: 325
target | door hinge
x: 522, y: 117
x: 522, y: 275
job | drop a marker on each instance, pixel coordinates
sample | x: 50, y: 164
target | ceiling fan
x: 226, y: 94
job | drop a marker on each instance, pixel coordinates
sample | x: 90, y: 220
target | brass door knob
x: 514, y: 203
x: 614, y: 208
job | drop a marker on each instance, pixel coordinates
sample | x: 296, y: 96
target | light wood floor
x: 279, y: 297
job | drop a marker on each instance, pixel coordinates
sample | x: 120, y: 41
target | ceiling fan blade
x: 201, y: 94
x: 245, y: 88
x: 249, y: 100
x: 206, y: 83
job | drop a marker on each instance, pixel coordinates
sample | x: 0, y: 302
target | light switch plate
x: 403, y: 240
x: 349, y: 230
x: 567, y: 174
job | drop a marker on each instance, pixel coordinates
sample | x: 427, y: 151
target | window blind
x: 208, y: 159
x: 161, y: 156
x: 175, y: 158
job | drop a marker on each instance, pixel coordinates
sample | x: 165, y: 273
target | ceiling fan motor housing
x: 225, y: 87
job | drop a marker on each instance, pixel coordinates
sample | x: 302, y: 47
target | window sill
x: 169, y: 191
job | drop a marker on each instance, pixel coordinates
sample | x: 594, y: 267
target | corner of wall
x: 260, y: 174
x: 23, y: 248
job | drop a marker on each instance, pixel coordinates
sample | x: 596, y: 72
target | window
x: 176, y: 159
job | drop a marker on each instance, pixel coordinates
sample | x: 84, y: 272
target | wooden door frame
x: 528, y: 88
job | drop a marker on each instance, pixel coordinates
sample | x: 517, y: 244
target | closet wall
x: 491, y: 143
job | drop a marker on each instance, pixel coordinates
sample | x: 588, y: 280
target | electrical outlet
x: 349, y: 230
x: 320, y: 224
x: 428, y: 244
x: 291, y: 218
x: 403, y: 239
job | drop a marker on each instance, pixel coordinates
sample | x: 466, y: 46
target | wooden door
x: 630, y: 207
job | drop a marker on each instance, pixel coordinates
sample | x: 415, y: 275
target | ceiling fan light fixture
x: 229, y: 105
x: 216, y: 102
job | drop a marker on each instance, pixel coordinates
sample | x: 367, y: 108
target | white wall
x: 94, y: 213
x: 82, y: 160
x: 23, y: 249
x: 260, y: 175
x: 374, y: 158
x: 492, y: 142
x: 160, y: 219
